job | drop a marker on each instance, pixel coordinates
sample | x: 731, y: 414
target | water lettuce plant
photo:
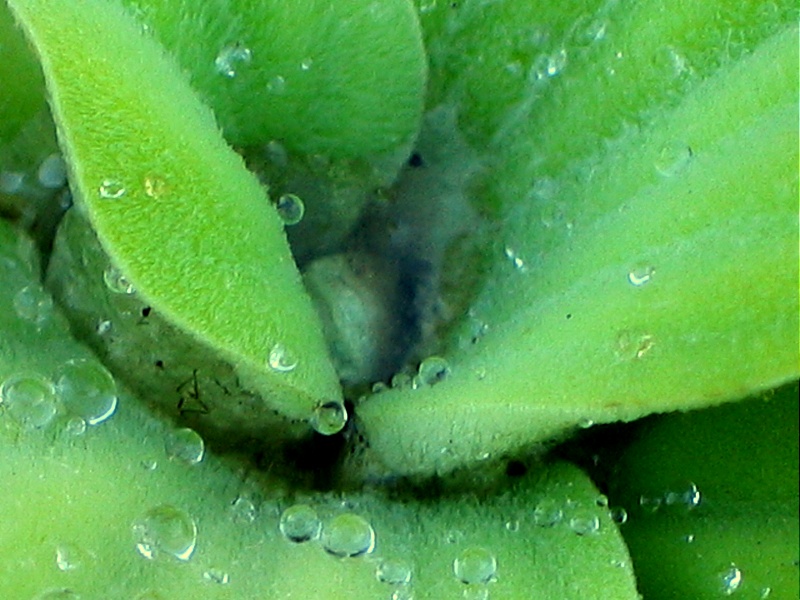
x: 304, y: 296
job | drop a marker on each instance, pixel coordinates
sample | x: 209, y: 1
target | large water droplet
x: 87, y: 390
x: 281, y: 359
x: 290, y: 209
x: 232, y: 58
x: 52, y: 172
x: 432, y: 370
x: 548, y: 512
x: 111, y: 189
x: 165, y: 530
x: 300, y: 523
x: 30, y: 399
x: 329, y: 418
x: 33, y: 304
x: 185, y: 445
x: 731, y: 579
x: 348, y: 535
x: 394, y: 571
x: 638, y: 276
x: 117, y: 282
x: 475, y: 565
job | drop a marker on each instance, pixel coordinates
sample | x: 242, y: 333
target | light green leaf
x: 173, y: 206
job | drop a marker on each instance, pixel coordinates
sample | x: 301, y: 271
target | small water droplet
x: 276, y: 153
x: 75, y: 426
x: 103, y: 327
x: 185, y: 445
x: 29, y: 399
x: 243, y: 510
x: 766, y: 592
x: 601, y: 500
x: 290, y: 209
x: 689, y: 538
x: 300, y: 523
x: 618, y: 514
x: 52, y: 172
x: 596, y: 30
x: 165, y: 530
x: 276, y: 85
x: 475, y: 565
x: 87, y: 390
x: 585, y: 423
x: 306, y: 63
x: 673, y: 158
x: 584, y: 523
x: 731, y: 579
x: 432, y: 370
x: 329, y: 418
x: 218, y: 576
x: 476, y: 591
x: 33, y: 304
x: 401, y: 381
x: 68, y: 558
x: 512, y: 525
x: 348, y: 535
x: 547, y: 513
x: 154, y: 187
x: 649, y: 504
x: 638, y: 276
x: 232, y: 58
x: 556, y: 63
x: 516, y: 261
x: 631, y: 345
x: 394, y: 571
x: 111, y: 189
x: 116, y: 282
x: 281, y: 359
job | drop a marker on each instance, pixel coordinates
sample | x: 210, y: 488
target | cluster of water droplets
x: 346, y: 535
x: 686, y: 496
x: 232, y: 58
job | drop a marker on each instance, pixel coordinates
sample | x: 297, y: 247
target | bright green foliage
x: 173, y: 205
x: 713, y: 499
x: 646, y: 260
x: 85, y: 505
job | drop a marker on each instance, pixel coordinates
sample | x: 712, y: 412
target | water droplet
x: 165, y: 529
x: 52, y: 172
x: 243, y: 510
x: 185, y: 445
x: 476, y: 591
x: 329, y: 418
x: 401, y: 381
x: 290, y: 209
x: 596, y: 30
x: 117, y: 282
x: 475, y: 565
x: 548, y: 512
x: 731, y: 579
x: 766, y: 592
x: 87, y: 390
x: 154, y: 186
x: 300, y: 523
x: 556, y: 63
x: 516, y: 261
x: 306, y: 64
x: 280, y: 359
x: 11, y: 182
x: 689, y: 538
x: 585, y: 423
x: 111, y: 189
x: 394, y: 571
x: 673, y: 158
x: 217, y: 576
x: 348, y: 535
x: 618, y: 514
x: 432, y: 370
x: 75, y: 426
x: 649, y: 504
x: 585, y: 523
x: 30, y: 399
x: 601, y: 500
x: 276, y: 85
x: 512, y: 525
x: 33, y: 304
x: 231, y: 58
x: 276, y: 153
x: 68, y: 558
x: 103, y: 327
x: 632, y: 345
x: 641, y: 275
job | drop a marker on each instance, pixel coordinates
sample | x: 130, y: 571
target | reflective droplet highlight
x: 329, y: 418
x: 165, y: 530
x: 475, y: 565
x: 281, y: 359
x: 631, y: 345
x: 29, y: 399
x: 87, y: 390
x: 348, y: 535
x: 641, y: 275
x: 185, y: 445
x: 515, y: 259
x: 290, y: 208
x: 111, y: 189
x: 300, y: 523
x: 232, y: 58
x: 68, y: 558
x: 731, y: 579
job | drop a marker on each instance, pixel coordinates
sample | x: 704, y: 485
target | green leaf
x: 173, y: 206
x: 713, y: 499
x: 646, y: 257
